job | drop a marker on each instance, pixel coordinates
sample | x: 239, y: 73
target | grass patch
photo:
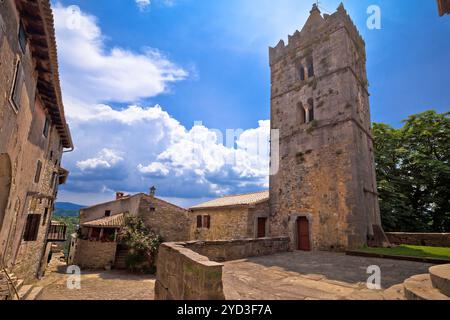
x: 412, y: 251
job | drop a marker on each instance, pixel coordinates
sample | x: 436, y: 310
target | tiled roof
x: 115, y: 221
x: 237, y: 200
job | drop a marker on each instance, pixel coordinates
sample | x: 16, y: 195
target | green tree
x: 413, y: 173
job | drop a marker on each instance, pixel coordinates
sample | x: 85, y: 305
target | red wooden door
x: 303, y: 234
x: 262, y: 227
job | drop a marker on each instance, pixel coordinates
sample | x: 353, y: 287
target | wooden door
x: 303, y: 234
x: 262, y: 227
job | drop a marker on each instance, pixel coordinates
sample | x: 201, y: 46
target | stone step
x: 440, y: 278
x: 34, y: 294
x: 395, y: 292
x: 420, y: 288
x: 24, y: 292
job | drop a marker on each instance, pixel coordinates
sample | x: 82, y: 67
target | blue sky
x: 208, y: 61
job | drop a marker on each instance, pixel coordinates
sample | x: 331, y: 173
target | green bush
x: 142, y: 244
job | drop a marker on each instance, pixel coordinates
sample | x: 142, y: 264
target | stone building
x: 324, y: 194
x: 232, y: 217
x: 33, y: 135
x: 96, y: 244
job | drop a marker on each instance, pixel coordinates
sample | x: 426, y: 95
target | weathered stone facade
x: 166, y: 219
x: 33, y: 133
x: 94, y: 254
x: 320, y: 105
x: 236, y: 218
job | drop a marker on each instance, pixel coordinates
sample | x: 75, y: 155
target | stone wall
x: 185, y: 270
x: 22, y: 144
x: 166, y: 219
x: 227, y: 250
x: 93, y: 254
x: 225, y: 223
x: 420, y: 239
x: 185, y: 275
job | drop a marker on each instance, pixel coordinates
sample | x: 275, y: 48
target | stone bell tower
x: 324, y: 194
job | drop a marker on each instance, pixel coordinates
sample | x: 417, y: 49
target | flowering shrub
x: 142, y: 244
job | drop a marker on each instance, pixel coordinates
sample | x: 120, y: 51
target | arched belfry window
x: 310, y: 113
x: 301, y: 113
x: 302, y: 73
x: 310, y: 68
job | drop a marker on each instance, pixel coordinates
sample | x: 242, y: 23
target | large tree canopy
x: 413, y: 173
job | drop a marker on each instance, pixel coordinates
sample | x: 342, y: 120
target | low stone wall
x: 185, y: 270
x: 183, y: 274
x: 93, y: 254
x: 226, y: 250
x: 420, y: 239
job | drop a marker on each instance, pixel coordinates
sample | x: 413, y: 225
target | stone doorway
x: 5, y: 185
x: 303, y: 242
x: 262, y: 222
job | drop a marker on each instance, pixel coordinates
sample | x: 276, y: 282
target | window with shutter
x: 16, y: 91
x: 208, y: 222
x: 22, y: 38
x: 199, y: 222
x: 32, y: 227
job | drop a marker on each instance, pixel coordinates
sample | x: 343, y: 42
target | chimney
x: 119, y: 195
x: 152, y: 191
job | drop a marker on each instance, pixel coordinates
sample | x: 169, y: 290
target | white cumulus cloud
x: 92, y: 73
x: 106, y: 158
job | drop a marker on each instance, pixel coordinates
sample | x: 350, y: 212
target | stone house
x: 96, y: 244
x: 33, y: 136
x: 231, y: 217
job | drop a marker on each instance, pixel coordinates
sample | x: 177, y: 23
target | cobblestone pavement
x: 319, y: 275
x: 95, y: 285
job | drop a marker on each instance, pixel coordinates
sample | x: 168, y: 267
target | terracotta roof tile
x: 235, y: 200
x: 115, y: 221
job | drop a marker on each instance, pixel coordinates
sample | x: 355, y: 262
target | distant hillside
x: 67, y: 209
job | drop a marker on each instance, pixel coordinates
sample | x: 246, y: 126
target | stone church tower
x: 324, y: 194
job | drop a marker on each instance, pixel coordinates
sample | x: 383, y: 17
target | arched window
x: 302, y: 73
x: 310, y: 110
x: 310, y: 68
x: 301, y: 113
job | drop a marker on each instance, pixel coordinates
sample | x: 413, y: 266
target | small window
x: 53, y: 181
x: 199, y: 222
x: 311, y: 110
x: 301, y: 113
x: 152, y: 208
x: 207, y: 222
x: 32, y: 227
x: 107, y: 213
x: 22, y: 37
x: 46, y: 128
x: 37, y: 176
x: 16, y: 91
x: 311, y: 70
x: 302, y: 73
x: 44, y: 220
